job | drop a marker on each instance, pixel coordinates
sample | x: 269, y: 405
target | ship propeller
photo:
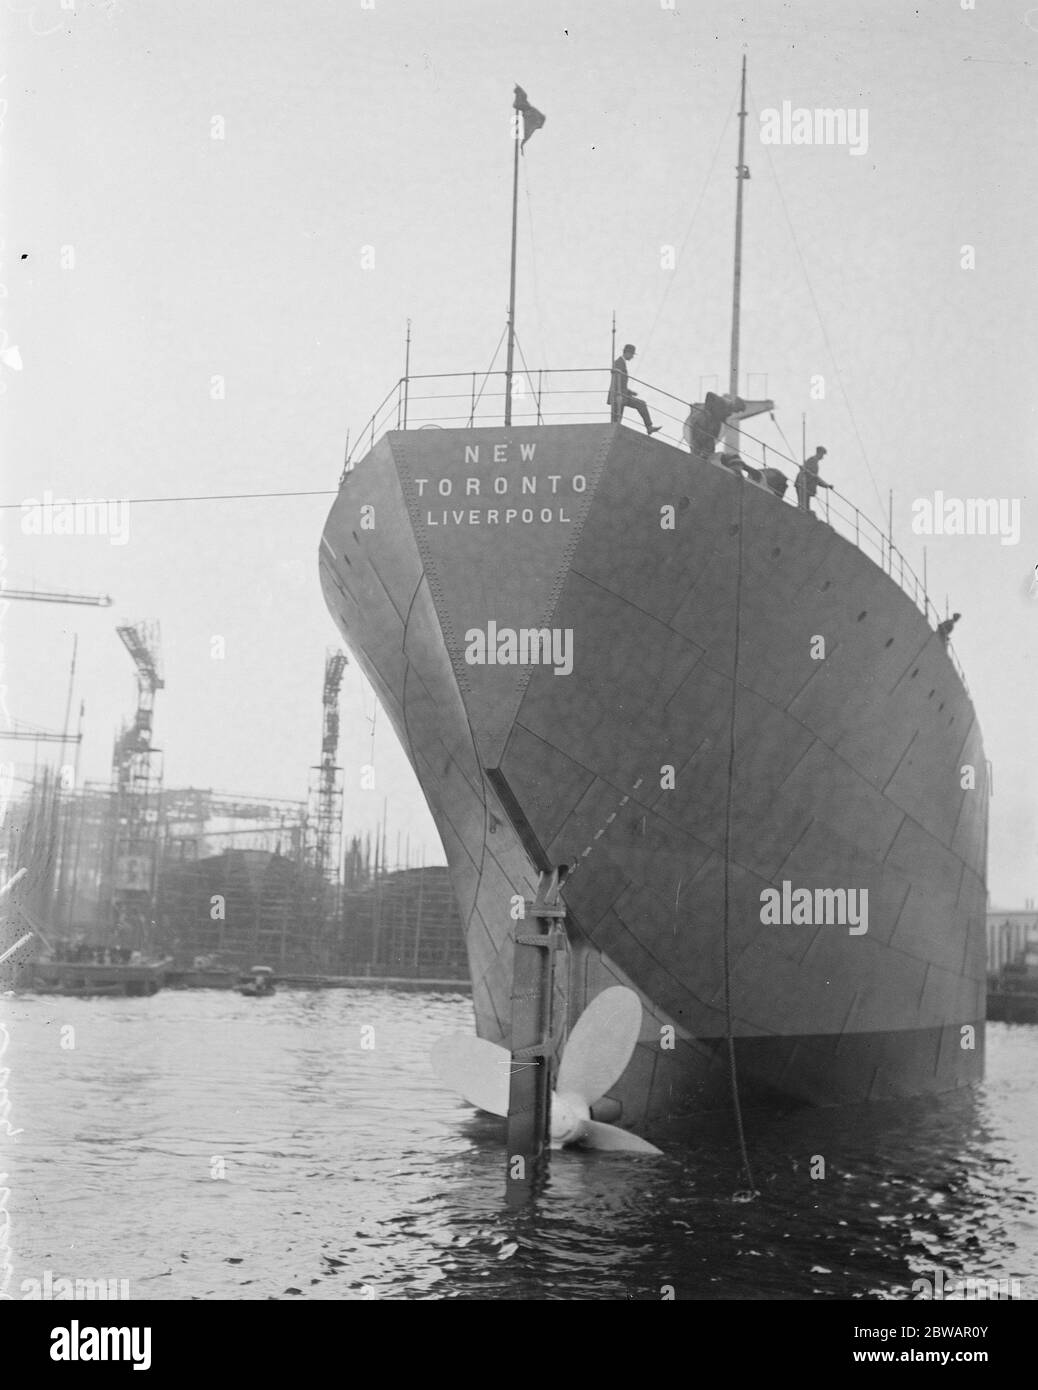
x: 596, y: 1056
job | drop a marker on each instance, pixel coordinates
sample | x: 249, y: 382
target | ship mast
x: 511, y: 285
x: 741, y: 173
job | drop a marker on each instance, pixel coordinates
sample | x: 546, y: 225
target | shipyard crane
x: 133, y: 751
x: 136, y: 774
x: 58, y: 596
x: 40, y: 736
x: 141, y: 640
x: 324, y: 819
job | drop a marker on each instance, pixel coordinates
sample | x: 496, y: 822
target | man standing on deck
x: 620, y: 396
x: 808, y: 481
x: 707, y: 420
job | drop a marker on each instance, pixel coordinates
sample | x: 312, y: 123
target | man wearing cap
x: 808, y: 481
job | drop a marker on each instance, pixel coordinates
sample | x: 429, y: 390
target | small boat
x: 1012, y: 1005
x: 257, y: 983
x: 1013, y: 991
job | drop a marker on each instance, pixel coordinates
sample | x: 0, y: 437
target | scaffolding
x: 402, y: 922
x: 231, y: 888
x: 241, y: 907
x: 197, y: 823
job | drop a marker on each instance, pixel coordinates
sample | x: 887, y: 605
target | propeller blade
x: 477, y: 1069
x: 596, y: 1135
x: 601, y: 1044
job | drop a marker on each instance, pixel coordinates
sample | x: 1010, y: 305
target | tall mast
x: 525, y: 121
x: 741, y: 173
x: 511, y: 286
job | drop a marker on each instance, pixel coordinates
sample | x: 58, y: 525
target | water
x: 348, y: 1173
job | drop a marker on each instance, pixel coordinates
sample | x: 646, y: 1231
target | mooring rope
x: 729, y: 1038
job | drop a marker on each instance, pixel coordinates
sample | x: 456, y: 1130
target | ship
x: 722, y: 713
x: 1012, y: 992
x: 87, y: 971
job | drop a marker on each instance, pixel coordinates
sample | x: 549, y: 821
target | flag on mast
x: 532, y: 118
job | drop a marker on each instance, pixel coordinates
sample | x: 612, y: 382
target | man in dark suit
x: 621, y: 396
x: 706, y: 422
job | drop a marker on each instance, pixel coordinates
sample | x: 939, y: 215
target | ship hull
x: 745, y: 706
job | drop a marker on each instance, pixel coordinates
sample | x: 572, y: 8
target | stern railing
x: 577, y: 395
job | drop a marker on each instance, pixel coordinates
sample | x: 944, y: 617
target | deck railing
x: 469, y: 400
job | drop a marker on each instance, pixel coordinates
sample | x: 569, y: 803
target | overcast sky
x: 387, y: 126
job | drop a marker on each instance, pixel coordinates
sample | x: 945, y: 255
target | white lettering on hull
x: 498, y: 516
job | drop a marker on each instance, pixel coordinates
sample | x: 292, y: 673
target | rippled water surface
x: 347, y: 1172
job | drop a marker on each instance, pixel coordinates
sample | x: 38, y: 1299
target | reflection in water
x: 203, y: 1145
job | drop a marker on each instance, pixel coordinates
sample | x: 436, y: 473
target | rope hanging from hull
x: 750, y: 1192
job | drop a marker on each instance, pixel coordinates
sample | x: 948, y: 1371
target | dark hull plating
x: 847, y: 766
